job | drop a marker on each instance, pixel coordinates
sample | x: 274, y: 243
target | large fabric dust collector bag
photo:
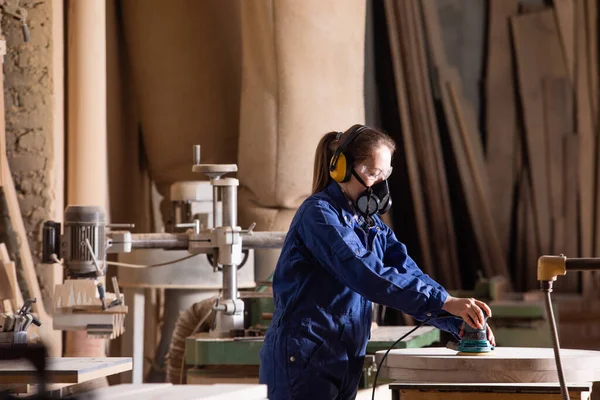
x: 185, y: 59
x: 302, y: 76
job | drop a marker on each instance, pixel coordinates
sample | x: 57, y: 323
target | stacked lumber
x: 433, y: 113
x: 524, y: 180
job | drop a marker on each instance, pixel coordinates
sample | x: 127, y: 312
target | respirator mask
x: 375, y: 199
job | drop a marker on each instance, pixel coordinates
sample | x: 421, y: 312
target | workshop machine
x: 82, y: 302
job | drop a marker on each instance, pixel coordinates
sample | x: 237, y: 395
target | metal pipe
x: 583, y: 264
x: 196, y: 154
x: 215, y: 205
x: 229, y: 282
x: 263, y: 240
x: 172, y: 241
x: 121, y: 226
x: 229, y: 205
x: 181, y: 241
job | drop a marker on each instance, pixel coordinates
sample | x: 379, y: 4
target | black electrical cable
x: 443, y: 315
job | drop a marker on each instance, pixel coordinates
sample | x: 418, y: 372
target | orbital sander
x: 474, y: 342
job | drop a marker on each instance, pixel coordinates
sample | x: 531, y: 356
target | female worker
x: 338, y: 257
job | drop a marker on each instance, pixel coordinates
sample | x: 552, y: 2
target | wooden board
x: 167, y: 391
x: 428, y: 145
x: 474, y: 156
x: 571, y: 149
x: 465, y: 141
x: 591, y: 13
x: 585, y: 131
x: 407, y: 137
x: 564, y: 11
x: 539, y: 55
x: 500, y: 117
x: 64, y: 370
x: 503, y: 365
x: 558, y: 117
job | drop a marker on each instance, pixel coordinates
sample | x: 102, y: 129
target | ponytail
x: 323, y: 155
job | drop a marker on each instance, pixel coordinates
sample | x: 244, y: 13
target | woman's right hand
x: 470, y: 310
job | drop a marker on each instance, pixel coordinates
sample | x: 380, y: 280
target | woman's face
x: 373, y: 170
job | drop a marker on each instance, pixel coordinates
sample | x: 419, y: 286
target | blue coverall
x: 329, y: 271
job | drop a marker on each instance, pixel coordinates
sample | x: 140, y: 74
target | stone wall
x: 28, y: 96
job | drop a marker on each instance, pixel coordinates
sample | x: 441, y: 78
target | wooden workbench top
x: 63, y: 370
x: 504, y: 364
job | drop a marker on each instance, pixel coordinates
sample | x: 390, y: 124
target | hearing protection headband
x: 347, y: 161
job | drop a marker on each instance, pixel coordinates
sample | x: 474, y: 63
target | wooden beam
x: 501, y: 118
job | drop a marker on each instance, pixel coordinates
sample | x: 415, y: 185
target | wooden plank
x: 441, y: 226
x: 442, y: 74
x: 64, y: 370
x: 520, y: 250
x: 555, y: 102
x: 564, y: 11
x: 407, y: 137
x: 558, y: 125
x: 500, y: 117
x: 591, y: 25
x: 465, y: 176
x: 52, y: 339
x: 587, y: 139
x: 7, y: 291
x: 538, y: 51
x: 474, y: 154
x: 532, y: 249
x: 526, y: 8
x: 570, y: 168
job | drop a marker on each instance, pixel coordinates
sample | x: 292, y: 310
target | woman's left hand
x: 490, y: 334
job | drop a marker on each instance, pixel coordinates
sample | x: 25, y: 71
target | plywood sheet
x: 539, y: 55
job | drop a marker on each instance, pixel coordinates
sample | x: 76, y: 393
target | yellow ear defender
x: 341, y: 164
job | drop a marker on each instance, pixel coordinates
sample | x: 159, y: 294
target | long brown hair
x: 359, y: 150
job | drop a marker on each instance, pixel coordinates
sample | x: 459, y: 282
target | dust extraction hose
x: 194, y: 319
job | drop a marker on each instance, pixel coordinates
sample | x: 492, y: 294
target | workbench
x: 496, y: 391
x: 213, y: 359
x: 201, y: 349
x: 166, y: 391
x: 507, y: 370
x: 65, y: 370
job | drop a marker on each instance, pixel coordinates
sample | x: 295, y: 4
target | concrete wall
x: 31, y: 102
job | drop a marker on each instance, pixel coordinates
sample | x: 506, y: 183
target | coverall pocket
x: 327, y: 358
x: 300, y: 352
